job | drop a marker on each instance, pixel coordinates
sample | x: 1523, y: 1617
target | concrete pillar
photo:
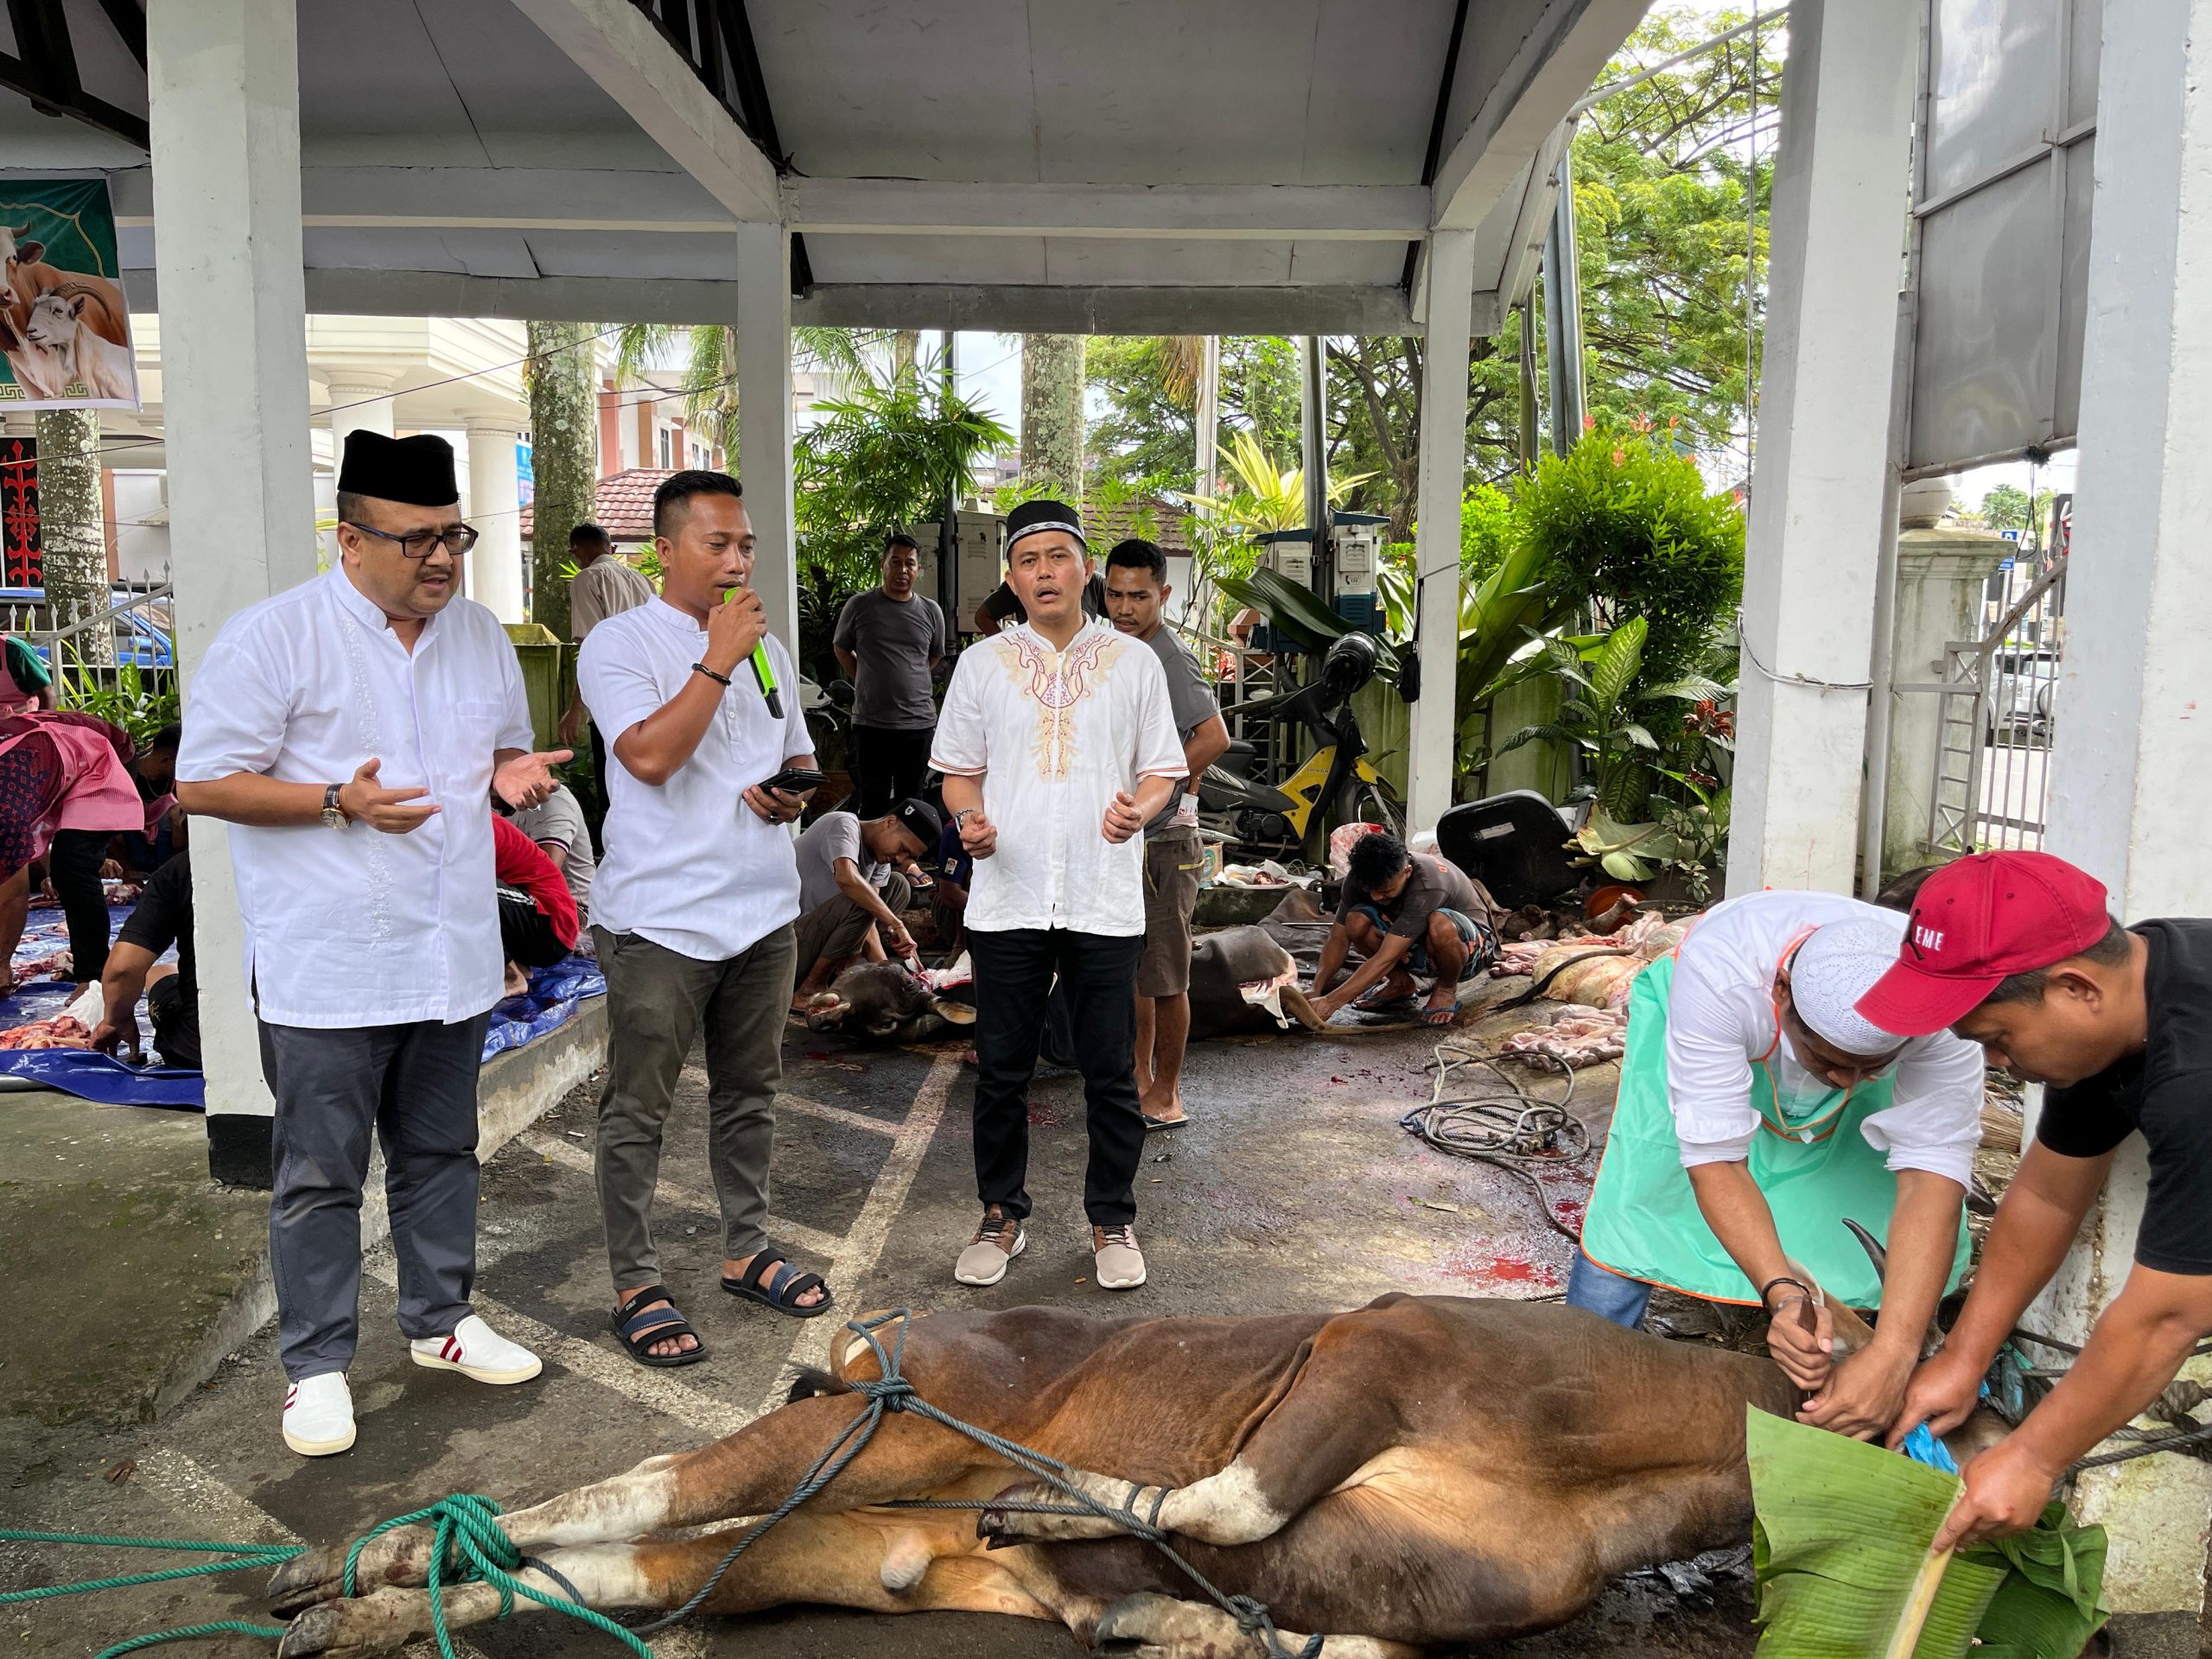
x: 223, y: 87
x: 1432, y: 753
x: 764, y: 418
x: 1940, y: 578
x: 2131, y: 767
x: 359, y: 403
x: 1816, y: 519
x: 495, y: 508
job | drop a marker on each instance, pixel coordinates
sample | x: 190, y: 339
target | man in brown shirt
x: 1412, y: 915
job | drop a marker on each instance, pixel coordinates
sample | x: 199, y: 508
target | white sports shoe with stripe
x: 319, y: 1415
x: 476, y: 1350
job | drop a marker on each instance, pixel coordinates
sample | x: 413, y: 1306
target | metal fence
x: 117, y: 662
x: 1999, y: 697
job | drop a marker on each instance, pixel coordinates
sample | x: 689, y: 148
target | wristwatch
x: 334, y: 816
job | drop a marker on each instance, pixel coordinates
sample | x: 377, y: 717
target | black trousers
x: 72, y: 864
x: 888, y: 766
x: 525, y: 933
x: 1014, y: 971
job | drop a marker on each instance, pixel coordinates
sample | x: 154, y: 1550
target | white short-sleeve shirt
x: 686, y: 863
x: 1054, y: 734
x: 355, y: 927
x: 1720, y: 1019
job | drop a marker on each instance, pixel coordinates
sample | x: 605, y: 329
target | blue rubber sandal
x: 639, y: 1327
x: 782, y: 1291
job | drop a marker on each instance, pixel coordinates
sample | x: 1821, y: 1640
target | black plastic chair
x: 1515, y: 844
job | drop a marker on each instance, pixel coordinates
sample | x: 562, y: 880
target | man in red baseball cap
x: 2017, y: 953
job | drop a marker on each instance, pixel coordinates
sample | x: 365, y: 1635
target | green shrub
x: 1624, y: 521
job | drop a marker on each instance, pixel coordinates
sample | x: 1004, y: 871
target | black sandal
x: 781, y: 1292
x: 639, y: 1327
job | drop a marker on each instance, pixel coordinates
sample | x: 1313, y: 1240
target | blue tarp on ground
x: 550, y: 1003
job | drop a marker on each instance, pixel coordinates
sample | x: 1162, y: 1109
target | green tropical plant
x: 122, y: 695
x: 888, y: 454
x: 1262, y: 500
x: 1624, y: 523
x: 1841, y: 1542
x: 1608, y: 712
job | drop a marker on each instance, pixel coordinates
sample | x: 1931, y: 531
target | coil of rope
x: 1517, y: 1130
x: 468, y: 1546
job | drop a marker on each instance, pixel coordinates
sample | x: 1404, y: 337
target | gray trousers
x: 416, y: 1086
x: 658, y: 1002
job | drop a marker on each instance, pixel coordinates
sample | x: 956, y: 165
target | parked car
x: 2021, y: 682
x: 141, y: 634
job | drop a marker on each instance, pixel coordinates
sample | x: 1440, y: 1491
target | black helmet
x: 1351, y: 664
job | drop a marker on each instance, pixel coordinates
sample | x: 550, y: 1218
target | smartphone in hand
x: 795, y: 780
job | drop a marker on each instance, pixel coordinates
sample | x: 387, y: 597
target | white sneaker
x: 319, y: 1415
x: 476, y: 1350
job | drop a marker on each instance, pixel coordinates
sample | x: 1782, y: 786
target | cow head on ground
x: 882, y: 1002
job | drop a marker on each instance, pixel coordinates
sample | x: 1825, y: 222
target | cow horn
x: 957, y: 1014
x: 824, y: 1001
x: 1872, y: 1246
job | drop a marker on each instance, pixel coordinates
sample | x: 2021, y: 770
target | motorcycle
x: 1270, y: 819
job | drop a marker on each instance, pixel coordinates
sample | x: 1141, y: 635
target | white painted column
x: 495, y: 508
x: 2131, y: 770
x: 1837, y: 235
x: 764, y: 418
x: 1432, y: 753
x: 359, y: 403
x: 224, y: 90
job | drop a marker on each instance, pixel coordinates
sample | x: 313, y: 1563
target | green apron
x: 1644, y: 1222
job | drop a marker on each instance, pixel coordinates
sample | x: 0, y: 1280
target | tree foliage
x: 1625, y: 522
x: 1660, y: 179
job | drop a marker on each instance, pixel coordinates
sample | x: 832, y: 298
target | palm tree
x: 73, y: 531
x: 839, y: 358
x: 1051, y: 414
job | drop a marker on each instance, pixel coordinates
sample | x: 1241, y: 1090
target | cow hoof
x: 400, y: 1557
x: 1144, y: 1627
x: 1014, y: 1523
x: 355, y: 1628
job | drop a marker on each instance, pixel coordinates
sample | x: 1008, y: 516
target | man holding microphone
x: 693, y: 907
x: 1058, y: 729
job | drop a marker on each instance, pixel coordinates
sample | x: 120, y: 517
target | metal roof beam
x: 623, y: 50
x: 1569, y: 45
x: 1251, y: 212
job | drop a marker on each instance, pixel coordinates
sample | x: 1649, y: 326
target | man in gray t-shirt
x: 888, y: 641
x: 850, y: 897
x: 1137, y: 592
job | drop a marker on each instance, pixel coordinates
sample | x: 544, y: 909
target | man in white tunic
x: 352, y: 729
x: 1057, y: 745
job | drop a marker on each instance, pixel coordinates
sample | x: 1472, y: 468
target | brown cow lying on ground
x: 1423, y: 1472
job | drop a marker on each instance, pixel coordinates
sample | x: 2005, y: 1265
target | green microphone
x: 764, y: 671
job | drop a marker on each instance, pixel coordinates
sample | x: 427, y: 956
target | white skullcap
x: 1833, y: 970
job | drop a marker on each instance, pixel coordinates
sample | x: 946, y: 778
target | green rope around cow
x: 468, y: 1546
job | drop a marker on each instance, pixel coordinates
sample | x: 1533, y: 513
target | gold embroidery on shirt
x: 1057, y: 681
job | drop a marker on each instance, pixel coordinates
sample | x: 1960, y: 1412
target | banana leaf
x: 1842, y: 1534
x: 1300, y: 614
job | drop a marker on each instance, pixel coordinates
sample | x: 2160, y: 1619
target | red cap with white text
x: 1977, y: 922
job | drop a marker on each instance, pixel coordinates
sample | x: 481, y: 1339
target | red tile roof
x: 623, y: 504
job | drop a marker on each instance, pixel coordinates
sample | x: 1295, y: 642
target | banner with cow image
x: 65, y: 328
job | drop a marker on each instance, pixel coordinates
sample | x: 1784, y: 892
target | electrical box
x: 1289, y: 554
x: 1357, y: 565
x: 978, y: 566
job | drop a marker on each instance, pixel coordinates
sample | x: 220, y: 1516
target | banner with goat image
x: 65, y: 327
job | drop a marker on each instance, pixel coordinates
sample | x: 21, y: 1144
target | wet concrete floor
x: 1294, y: 1188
